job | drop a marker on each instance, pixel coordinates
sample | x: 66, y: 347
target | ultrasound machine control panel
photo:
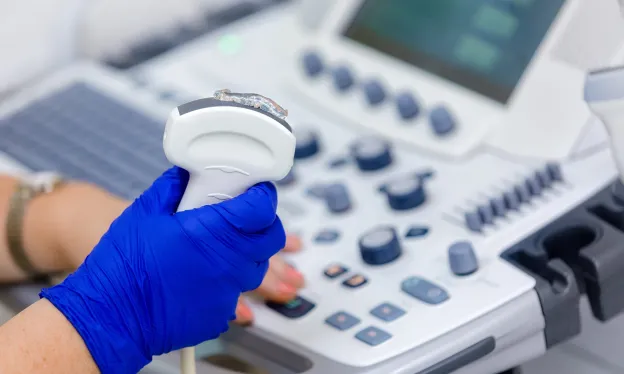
x: 451, y: 187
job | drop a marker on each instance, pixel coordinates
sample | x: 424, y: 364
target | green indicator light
x: 293, y: 304
x: 230, y: 44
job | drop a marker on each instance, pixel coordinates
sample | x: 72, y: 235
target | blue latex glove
x: 159, y: 281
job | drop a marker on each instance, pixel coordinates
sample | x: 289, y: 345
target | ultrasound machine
x: 458, y: 200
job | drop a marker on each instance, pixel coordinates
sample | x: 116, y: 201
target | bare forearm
x: 85, y: 213
x: 60, y: 228
x: 41, y: 340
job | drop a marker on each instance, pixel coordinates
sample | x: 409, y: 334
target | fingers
x: 257, y: 247
x: 280, y: 284
x: 293, y: 244
x: 244, y: 315
x: 253, y: 210
x: 164, y: 195
x: 282, y: 281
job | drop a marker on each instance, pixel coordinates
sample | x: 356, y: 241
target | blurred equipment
x: 453, y: 192
x: 43, y: 37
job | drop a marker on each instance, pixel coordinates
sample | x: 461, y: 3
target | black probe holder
x: 580, y: 253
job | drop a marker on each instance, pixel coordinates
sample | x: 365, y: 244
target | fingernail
x: 244, y: 313
x: 284, y: 288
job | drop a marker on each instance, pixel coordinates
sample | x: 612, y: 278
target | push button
x: 295, y: 308
x: 343, y: 78
x: 338, y: 162
x: 355, y: 281
x: 544, y: 179
x: 473, y: 221
x: 523, y: 193
x: 342, y: 321
x: 407, y: 105
x: 512, y: 201
x: 375, y: 92
x: 312, y: 64
x: 335, y: 270
x: 486, y: 213
x: 442, y: 122
x: 498, y: 206
x: 337, y: 198
x: 316, y: 191
x: 327, y: 236
x: 533, y: 185
x: 424, y: 290
x: 387, y: 312
x: 417, y: 232
x: 554, y: 171
x: 373, y: 336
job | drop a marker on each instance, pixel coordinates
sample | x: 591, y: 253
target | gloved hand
x: 159, y: 281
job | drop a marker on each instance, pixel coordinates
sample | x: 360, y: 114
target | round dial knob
x: 405, y: 193
x: 372, y: 153
x: 312, y: 64
x: 307, y: 143
x: 380, y: 246
x: 462, y: 258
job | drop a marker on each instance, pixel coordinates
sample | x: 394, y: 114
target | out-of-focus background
x: 37, y: 37
x: 451, y: 187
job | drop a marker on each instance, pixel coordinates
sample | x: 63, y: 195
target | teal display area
x: 483, y: 45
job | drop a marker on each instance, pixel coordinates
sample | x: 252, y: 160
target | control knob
x: 307, y: 143
x: 372, y: 153
x: 380, y: 246
x: 405, y: 193
x: 462, y: 258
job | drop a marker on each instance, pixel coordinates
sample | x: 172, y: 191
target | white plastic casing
x: 604, y: 94
x: 226, y: 150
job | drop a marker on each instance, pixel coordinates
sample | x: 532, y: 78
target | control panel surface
x: 402, y: 245
x: 449, y: 77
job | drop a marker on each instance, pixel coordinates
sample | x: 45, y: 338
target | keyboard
x: 86, y: 135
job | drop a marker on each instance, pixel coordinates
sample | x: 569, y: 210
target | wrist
x: 112, y: 337
x: 39, y: 232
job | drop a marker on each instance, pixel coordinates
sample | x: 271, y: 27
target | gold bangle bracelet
x: 14, y: 227
x: 23, y: 194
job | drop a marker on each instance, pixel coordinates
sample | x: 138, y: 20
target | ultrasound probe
x: 604, y: 94
x: 227, y: 143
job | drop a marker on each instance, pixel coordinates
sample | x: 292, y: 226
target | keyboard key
x: 293, y: 309
x: 334, y: 271
x: 424, y: 290
x: 355, y: 281
x: 327, y: 236
x: 387, y: 312
x: 342, y: 321
x: 373, y: 336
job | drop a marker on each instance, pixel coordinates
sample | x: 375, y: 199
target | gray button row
x: 524, y: 192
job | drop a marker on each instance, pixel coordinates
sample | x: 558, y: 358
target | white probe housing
x: 604, y: 94
x: 226, y: 147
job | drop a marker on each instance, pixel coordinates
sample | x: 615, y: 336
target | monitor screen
x: 483, y: 45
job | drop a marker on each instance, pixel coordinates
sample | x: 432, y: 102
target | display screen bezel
x: 465, y: 78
